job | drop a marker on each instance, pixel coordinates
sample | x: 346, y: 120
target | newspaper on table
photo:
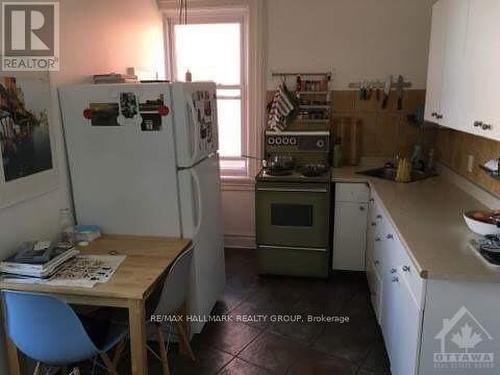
x: 83, y: 271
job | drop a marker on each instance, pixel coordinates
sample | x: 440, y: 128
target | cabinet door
x: 483, y: 73
x: 389, y: 314
x: 376, y: 289
x: 436, y: 61
x: 349, y: 241
x: 454, y: 96
x: 408, y: 324
x: 370, y: 234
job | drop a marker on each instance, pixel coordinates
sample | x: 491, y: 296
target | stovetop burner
x: 488, y: 248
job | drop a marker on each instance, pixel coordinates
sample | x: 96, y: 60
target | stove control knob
x: 320, y: 143
x: 293, y: 141
x: 271, y: 141
x: 278, y: 140
x: 286, y: 140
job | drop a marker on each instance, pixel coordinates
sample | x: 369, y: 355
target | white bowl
x: 480, y: 227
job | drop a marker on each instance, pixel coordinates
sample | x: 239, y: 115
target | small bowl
x: 481, y: 227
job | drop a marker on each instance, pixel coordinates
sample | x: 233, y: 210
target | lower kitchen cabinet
x: 350, y: 224
x: 408, y: 319
x: 376, y: 288
x: 396, y: 292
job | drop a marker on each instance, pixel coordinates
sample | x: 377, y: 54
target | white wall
x: 239, y: 215
x: 356, y: 39
x: 96, y: 36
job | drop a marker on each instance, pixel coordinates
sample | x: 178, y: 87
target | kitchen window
x: 212, y: 47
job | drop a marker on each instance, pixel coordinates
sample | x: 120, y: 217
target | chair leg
x: 185, y: 340
x: 118, y: 352
x: 163, y: 350
x: 109, y: 365
x: 37, y: 369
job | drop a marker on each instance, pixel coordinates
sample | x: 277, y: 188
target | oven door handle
x: 291, y: 190
x: 263, y: 247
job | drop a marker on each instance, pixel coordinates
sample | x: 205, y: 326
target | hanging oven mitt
x: 282, y: 106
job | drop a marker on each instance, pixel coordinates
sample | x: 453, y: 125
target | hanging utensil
x: 399, y: 89
x: 387, y: 91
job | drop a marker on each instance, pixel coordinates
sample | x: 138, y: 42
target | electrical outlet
x: 470, y: 163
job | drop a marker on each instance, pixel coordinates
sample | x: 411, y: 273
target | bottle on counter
x: 66, y: 227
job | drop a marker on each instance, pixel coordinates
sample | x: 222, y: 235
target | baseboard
x: 244, y: 241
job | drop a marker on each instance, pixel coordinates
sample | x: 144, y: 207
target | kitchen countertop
x: 427, y: 217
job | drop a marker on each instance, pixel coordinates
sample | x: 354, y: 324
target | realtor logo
x: 30, y: 36
x: 462, y: 340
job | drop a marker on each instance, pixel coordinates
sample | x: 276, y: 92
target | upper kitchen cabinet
x: 463, y: 73
x: 483, y: 56
x: 436, y: 61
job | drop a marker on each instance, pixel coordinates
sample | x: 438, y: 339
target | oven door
x: 292, y: 214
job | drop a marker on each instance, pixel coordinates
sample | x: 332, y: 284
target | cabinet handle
x: 361, y: 208
x: 478, y: 123
x: 379, y: 216
x: 378, y: 239
x: 406, y: 268
x: 374, y: 224
x: 389, y: 237
x: 439, y: 117
x: 372, y: 200
x: 395, y: 279
x: 434, y: 114
x: 393, y: 270
x: 487, y: 126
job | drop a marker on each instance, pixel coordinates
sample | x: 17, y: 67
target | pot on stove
x: 278, y: 163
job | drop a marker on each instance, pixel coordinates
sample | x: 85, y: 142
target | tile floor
x: 293, y: 348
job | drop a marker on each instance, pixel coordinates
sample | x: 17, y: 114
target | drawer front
x: 278, y: 260
x: 405, y: 266
x: 415, y: 283
x: 352, y: 192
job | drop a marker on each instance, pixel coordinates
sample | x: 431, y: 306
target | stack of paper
x: 31, y: 262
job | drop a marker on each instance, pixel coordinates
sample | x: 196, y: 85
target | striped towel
x: 281, y: 106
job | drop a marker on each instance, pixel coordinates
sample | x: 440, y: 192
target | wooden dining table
x: 146, y: 263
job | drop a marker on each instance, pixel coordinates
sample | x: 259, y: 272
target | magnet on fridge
x: 88, y: 113
x: 163, y: 110
x: 129, y: 109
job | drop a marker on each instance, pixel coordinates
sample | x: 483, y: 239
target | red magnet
x: 163, y: 110
x: 88, y: 113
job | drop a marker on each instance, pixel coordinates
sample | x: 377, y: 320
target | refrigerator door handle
x: 195, y: 134
x: 198, y: 201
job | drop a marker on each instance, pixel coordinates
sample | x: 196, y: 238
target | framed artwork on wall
x: 28, y: 165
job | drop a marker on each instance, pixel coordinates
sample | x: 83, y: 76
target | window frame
x: 214, y: 16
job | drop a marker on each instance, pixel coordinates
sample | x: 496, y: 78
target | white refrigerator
x: 143, y: 161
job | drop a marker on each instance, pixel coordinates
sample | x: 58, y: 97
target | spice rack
x: 314, y: 96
